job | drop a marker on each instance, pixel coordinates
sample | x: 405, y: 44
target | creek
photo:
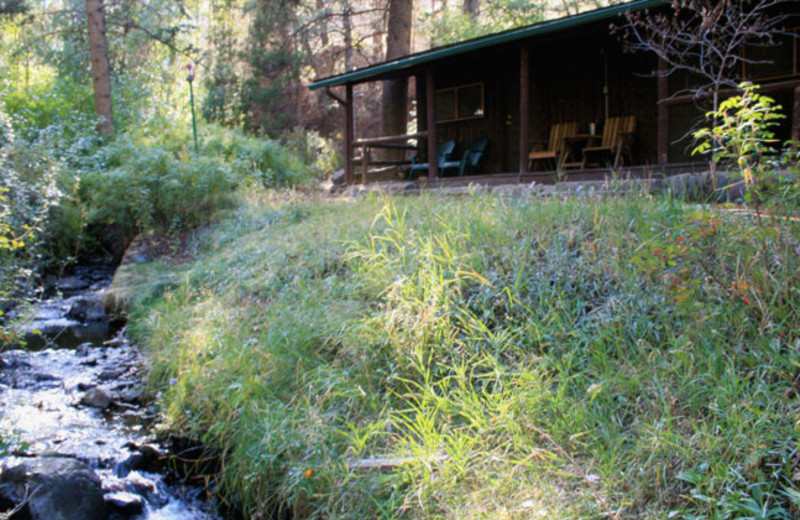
x: 76, y: 395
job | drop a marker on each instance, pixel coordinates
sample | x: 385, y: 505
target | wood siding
x: 566, y: 84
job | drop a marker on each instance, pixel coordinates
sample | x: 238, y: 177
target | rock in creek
x: 72, y: 283
x: 56, y: 488
x: 97, y: 397
x: 125, y: 503
x: 86, y: 308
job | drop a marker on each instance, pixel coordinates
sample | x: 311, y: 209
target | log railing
x: 391, y: 142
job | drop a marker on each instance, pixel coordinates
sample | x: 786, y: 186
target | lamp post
x: 190, y: 79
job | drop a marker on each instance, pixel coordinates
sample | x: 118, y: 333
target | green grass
x: 527, y: 358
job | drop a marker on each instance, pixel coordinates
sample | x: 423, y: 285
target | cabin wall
x: 498, y: 72
x: 587, y: 76
x: 568, y: 77
x: 567, y: 80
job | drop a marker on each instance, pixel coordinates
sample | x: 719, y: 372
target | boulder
x: 97, y: 397
x: 338, y: 177
x: 57, y: 488
x: 87, y: 309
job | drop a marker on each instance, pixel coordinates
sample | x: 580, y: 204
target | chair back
x: 475, y: 151
x: 444, y: 150
x: 615, y: 130
x: 558, y: 132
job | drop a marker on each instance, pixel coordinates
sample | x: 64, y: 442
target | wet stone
x: 63, y: 489
x: 86, y: 309
x: 72, y: 283
x: 14, y: 364
x: 133, y: 395
x: 107, y: 375
x: 124, y: 503
x: 97, y: 397
x: 83, y: 349
x: 138, y: 483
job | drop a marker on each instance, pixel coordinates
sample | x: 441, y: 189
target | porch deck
x: 646, y: 172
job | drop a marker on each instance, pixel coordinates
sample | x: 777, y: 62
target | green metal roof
x: 483, y: 42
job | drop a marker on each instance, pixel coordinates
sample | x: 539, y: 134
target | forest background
x: 252, y: 61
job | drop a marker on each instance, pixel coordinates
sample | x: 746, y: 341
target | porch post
x: 348, y: 135
x: 430, y: 102
x: 796, y: 115
x: 662, y: 137
x: 524, y: 104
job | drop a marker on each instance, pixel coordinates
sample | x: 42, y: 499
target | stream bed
x: 74, y: 401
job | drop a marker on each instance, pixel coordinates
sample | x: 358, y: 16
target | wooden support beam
x: 376, y: 141
x: 365, y: 159
x: 524, y: 106
x: 662, y: 133
x: 764, y: 88
x: 333, y: 96
x: 430, y: 104
x: 349, y: 136
x: 796, y: 115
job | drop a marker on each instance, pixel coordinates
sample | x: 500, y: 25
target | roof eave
x: 438, y: 53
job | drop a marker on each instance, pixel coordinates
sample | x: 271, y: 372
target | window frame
x: 793, y: 33
x: 455, y: 91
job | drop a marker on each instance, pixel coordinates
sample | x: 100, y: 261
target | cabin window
x: 682, y: 81
x: 774, y: 61
x: 459, y: 103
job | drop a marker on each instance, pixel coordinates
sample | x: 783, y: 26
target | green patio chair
x: 443, y: 152
x: 471, y: 159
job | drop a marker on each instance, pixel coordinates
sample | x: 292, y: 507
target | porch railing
x: 390, y: 142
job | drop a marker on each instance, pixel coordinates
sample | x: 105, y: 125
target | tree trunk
x: 471, y: 7
x: 324, y: 29
x: 395, y: 92
x: 347, y: 21
x: 101, y: 75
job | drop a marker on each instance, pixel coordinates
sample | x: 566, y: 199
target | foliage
x: 742, y: 133
x: 150, y: 181
x: 28, y: 190
x: 504, y: 357
x: 12, y: 7
x: 275, y: 65
x: 451, y: 23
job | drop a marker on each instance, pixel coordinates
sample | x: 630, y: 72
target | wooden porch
x: 603, y: 113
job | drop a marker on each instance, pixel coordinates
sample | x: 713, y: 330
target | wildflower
x: 671, y: 287
x: 680, y: 239
x: 675, y: 300
x: 657, y: 251
x: 746, y: 301
x: 307, y: 473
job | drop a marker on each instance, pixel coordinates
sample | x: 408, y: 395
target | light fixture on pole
x: 190, y: 79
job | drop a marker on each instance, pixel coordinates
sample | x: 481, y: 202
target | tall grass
x: 503, y: 358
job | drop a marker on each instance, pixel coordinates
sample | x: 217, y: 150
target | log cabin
x: 545, y: 97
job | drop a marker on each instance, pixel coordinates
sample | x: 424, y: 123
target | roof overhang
x: 374, y: 72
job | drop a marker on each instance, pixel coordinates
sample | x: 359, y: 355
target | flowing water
x: 77, y: 390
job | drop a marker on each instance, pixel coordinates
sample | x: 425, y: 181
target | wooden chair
x: 556, y: 149
x: 471, y: 159
x: 618, y: 133
x: 443, y: 152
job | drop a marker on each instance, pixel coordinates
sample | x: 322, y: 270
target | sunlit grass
x: 510, y: 355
